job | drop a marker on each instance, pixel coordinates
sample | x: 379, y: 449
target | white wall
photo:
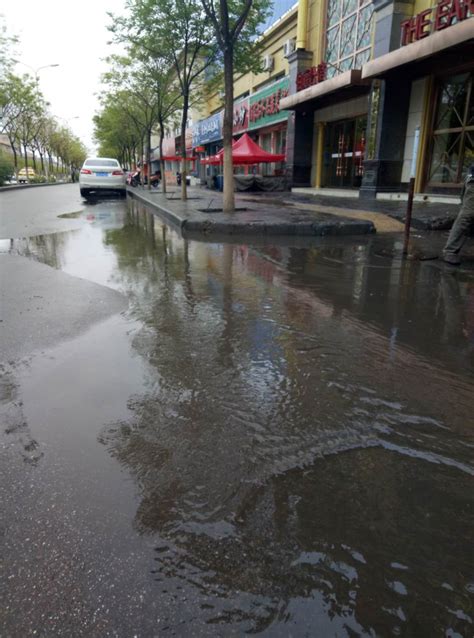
x: 415, y: 116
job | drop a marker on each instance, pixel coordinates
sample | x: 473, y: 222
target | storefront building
x: 382, y: 91
x: 429, y: 75
x: 256, y: 107
x: 259, y: 115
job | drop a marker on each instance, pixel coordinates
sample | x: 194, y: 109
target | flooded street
x: 273, y: 439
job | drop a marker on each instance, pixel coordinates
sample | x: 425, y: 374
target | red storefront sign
x: 188, y: 139
x: 443, y: 15
x: 268, y: 105
x: 241, y: 116
x: 314, y: 75
x: 169, y: 146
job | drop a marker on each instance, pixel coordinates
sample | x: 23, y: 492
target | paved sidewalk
x: 425, y: 216
x: 292, y: 213
x: 202, y: 213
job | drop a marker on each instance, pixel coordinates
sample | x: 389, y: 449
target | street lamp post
x: 37, y: 69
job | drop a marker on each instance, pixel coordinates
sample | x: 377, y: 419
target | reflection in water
x: 298, y: 468
x: 302, y: 447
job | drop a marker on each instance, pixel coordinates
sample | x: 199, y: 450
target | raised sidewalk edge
x: 17, y: 187
x: 187, y: 218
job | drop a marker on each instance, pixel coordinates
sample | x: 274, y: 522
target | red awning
x: 177, y: 158
x: 245, y: 151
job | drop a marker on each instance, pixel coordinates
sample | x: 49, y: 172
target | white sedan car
x: 101, y: 174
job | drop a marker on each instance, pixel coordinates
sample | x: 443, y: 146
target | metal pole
x: 411, y: 191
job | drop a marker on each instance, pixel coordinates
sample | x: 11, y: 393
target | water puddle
x: 275, y: 438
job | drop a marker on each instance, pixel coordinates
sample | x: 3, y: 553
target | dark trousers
x: 465, y: 218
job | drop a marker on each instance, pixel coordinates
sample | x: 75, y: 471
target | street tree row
x: 36, y: 138
x: 177, y: 53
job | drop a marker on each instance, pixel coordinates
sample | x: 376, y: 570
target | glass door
x: 344, y: 151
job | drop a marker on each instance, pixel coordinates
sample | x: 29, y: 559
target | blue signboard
x: 208, y: 130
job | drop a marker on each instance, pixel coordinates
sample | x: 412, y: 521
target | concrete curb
x: 17, y: 187
x: 194, y: 221
x: 168, y: 215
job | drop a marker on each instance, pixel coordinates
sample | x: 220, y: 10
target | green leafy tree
x: 141, y: 89
x: 6, y: 167
x: 19, y: 105
x: 115, y: 133
x: 236, y: 27
x: 176, y: 32
x: 7, y: 45
x: 34, y: 107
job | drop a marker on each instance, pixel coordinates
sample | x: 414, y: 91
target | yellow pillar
x: 319, y: 155
x: 424, y: 134
x: 302, y: 25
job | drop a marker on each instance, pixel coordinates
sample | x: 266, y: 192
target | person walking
x: 465, y: 218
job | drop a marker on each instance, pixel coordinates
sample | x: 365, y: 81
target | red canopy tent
x: 178, y: 158
x: 245, y: 151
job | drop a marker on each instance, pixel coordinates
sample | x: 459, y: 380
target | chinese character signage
x: 265, y: 104
x: 314, y: 75
x: 208, y: 130
x: 169, y: 146
x: 443, y: 15
x: 241, y: 116
x: 189, y: 138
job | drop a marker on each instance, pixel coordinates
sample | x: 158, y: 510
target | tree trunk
x: 148, y: 158
x: 228, y: 195
x: 15, y: 157
x: 34, y: 160
x: 184, y: 119
x: 42, y: 161
x: 162, y: 162
x: 25, y: 153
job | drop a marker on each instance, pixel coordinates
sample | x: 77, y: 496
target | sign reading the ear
x: 443, y: 15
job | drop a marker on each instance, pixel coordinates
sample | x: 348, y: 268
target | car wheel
x: 84, y: 192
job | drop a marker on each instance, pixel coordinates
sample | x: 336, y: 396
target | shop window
x: 348, y: 34
x: 452, y: 143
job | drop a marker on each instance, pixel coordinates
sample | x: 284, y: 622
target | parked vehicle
x: 155, y: 179
x: 135, y: 178
x: 101, y: 174
x: 25, y: 175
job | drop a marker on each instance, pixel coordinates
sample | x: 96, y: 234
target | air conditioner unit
x: 288, y: 47
x: 268, y: 62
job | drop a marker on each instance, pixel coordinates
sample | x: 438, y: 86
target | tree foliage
x: 172, y: 35
x: 236, y: 27
x: 26, y: 120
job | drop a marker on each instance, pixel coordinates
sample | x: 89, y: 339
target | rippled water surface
x: 274, y: 439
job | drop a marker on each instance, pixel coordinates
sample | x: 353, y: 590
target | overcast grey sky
x: 73, y: 35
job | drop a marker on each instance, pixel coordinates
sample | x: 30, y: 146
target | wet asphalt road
x: 207, y: 439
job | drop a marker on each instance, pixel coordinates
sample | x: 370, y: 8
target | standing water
x: 272, y: 438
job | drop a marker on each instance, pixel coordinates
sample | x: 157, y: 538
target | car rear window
x: 101, y: 162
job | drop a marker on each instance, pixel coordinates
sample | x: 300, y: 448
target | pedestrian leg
x: 460, y: 229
